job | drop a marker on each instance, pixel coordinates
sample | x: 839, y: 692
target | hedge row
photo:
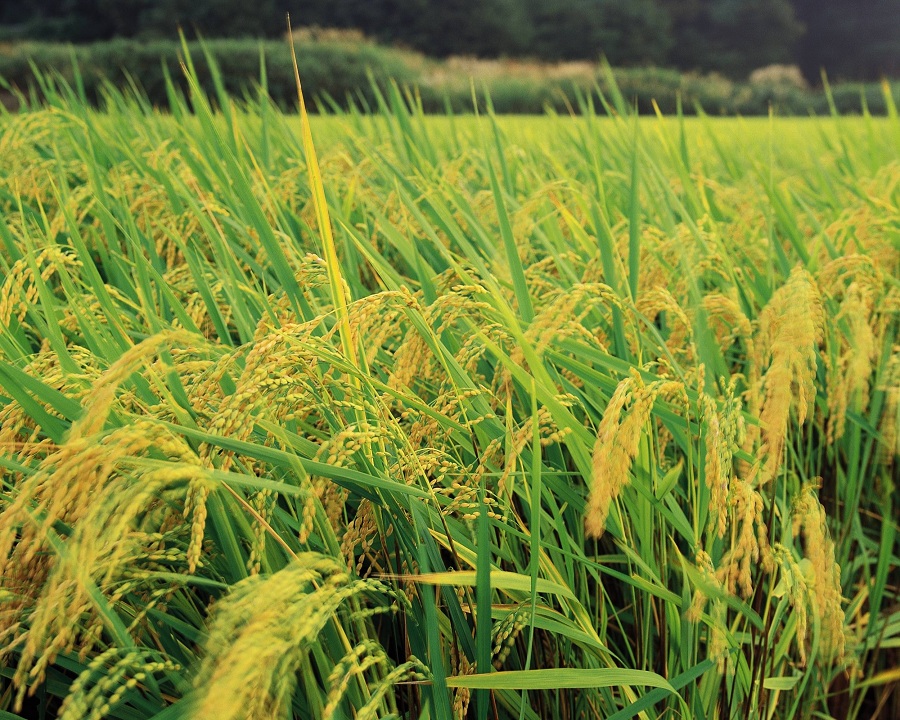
x: 340, y: 70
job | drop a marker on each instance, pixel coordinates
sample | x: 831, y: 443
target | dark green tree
x: 392, y: 21
x: 211, y: 18
x: 750, y: 34
x: 59, y: 20
x: 565, y: 29
x: 637, y: 32
x: 853, y: 39
x: 732, y: 36
x: 477, y: 27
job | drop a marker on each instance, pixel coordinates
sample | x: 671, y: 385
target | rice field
x: 372, y: 416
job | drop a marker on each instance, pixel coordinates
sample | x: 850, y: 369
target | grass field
x: 464, y: 417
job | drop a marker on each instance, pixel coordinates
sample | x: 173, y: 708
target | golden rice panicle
x: 836, y: 276
x: 461, y: 696
x: 102, y: 685
x: 868, y: 307
x: 66, y: 484
x: 360, y: 531
x: 718, y: 642
x: 19, y: 290
x: 375, y: 319
x: 790, y: 330
x: 725, y: 431
x: 718, y: 637
x: 729, y: 322
x: 183, y: 284
x: 810, y: 521
x: 100, y: 401
x: 717, y: 480
x: 412, y: 670
x: 277, y: 363
x: 518, y: 438
x: 118, y: 531
x: 705, y: 565
x: 852, y: 361
x: 266, y: 372
x: 561, y: 317
x: 749, y: 540
x: 366, y: 655
x: 261, y: 503
x: 793, y: 582
x: 680, y: 340
x: 505, y: 634
x: 196, y: 511
x: 660, y: 252
x: 308, y: 513
x: 414, y: 363
x: 260, y: 634
x: 890, y: 416
x: 618, y: 439
x: 543, y: 275
x: 20, y: 436
x: 611, y: 460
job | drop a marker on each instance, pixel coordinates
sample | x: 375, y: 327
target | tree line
x: 851, y: 39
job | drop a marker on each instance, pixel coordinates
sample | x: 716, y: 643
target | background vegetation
x: 341, y: 67
x: 850, y: 39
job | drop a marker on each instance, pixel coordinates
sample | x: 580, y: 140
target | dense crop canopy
x: 569, y: 417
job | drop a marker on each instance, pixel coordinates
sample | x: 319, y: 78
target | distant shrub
x: 643, y: 86
x: 715, y: 93
x: 850, y: 97
x: 779, y: 76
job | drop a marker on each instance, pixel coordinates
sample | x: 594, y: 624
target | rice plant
x: 375, y: 414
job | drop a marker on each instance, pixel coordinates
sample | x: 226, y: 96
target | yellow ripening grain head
x: 106, y: 552
x: 612, y: 458
x: 852, y: 358
x: 794, y: 584
x: 860, y: 296
x: 99, y: 402
x: 723, y: 430
x: 718, y: 611
x: 728, y: 321
x: 260, y: 635
x: 890, y: 416
x: 809, y: 519
x: 92, y: 485
x: 618, y: 438
x: 680, y: 340
x: 790, y: 331
x: 749, y: 540
x: 107, y: 678
x: 19, y: 291
x: 20, y: 434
